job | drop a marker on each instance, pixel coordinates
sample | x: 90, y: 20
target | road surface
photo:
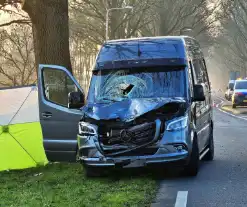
x: 220, y: 183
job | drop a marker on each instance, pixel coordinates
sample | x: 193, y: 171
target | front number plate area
x: 136, y: 163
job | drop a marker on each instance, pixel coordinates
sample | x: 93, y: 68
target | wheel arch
x: 212, y: 124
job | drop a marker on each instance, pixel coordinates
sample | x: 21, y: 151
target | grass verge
x: 65, y: 185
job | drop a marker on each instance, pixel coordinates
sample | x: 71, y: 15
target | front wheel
x: 193, y: 167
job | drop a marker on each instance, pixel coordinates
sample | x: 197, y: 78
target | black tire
x: 234, y: 106
x: 193, y: 167
x: 209, y: 156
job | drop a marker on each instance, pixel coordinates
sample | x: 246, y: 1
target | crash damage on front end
x: 134, y: 133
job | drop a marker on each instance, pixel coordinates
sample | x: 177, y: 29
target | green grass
x: 65, y: 185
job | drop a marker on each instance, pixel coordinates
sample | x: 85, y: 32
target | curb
x: 229, y: 108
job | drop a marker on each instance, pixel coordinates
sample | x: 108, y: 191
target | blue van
x: 148, y: 103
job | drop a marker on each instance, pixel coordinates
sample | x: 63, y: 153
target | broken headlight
x: 177, y: 124
x: 87, y: 129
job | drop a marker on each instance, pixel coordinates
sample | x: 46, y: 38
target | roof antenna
x: 139, y: 51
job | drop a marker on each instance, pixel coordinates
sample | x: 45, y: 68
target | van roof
x: 241, y: 80
x: 178, y: 38
x: 147, y: 51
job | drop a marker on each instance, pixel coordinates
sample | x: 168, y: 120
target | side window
x: 57, y: 86
x: 205, y: 73
x: 198, y: 71
x: 191, y: 82
x: 207, y: 83
x: 199, y: 77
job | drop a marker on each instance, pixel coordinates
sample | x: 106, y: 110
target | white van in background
x: 229, y: 90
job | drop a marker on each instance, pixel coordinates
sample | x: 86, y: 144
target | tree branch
x: 19, y: 21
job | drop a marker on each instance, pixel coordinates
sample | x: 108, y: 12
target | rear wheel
x: 234, y: 106
x: 193, y: 167
x: 210, y: 154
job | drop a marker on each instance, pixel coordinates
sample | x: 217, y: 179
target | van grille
x: 137, y: 135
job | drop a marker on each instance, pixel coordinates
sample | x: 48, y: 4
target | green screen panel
x: 22, y: 146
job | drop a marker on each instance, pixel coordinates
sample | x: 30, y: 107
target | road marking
x: 238, y: 117
x: 219, y: 104
x: 181, y: 200
x: 221, y: 98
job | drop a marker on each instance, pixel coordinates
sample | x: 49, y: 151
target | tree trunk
x: 50, y: 31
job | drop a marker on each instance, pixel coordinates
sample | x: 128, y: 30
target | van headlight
x: 87, y: 129
x: 178, y: 124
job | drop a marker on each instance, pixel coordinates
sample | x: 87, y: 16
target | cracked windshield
x: 118, y: 103
x: 142, y: 83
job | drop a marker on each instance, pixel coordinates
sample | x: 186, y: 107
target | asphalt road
x: 222, y: 182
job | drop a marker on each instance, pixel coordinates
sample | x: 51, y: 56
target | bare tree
x: 17, y: 66
x: 239, y: 37
x: 89, y: 18
x: 50, y: 24
x: 230, y: 48
x: 87, y: 29
x: 203, y: 17
x: 82, y: 58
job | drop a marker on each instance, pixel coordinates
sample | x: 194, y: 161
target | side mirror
x: 198, y: 93
x: 75, y: 100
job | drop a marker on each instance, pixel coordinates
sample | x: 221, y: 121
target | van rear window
x: 241, y: 85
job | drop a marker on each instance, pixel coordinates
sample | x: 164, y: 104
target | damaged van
x: 148, y: 104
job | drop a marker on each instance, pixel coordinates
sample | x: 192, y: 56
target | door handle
x: 47, y: 114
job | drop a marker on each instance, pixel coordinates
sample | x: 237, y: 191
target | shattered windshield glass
x: 119, y: 85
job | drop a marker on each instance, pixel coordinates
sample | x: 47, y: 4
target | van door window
x: 207, y: 83
x: 199, y: 77
x: 198, y: 72
x: 191, y: 81
x: 205, y: 73
x: 57, y: 86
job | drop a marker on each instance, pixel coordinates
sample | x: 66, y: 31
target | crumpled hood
x: 127, y: 109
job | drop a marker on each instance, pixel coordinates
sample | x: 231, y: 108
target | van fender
x: 193, y: 129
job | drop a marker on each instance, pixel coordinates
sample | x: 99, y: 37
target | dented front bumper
x: 137, y: 161
x: 172, y: 148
